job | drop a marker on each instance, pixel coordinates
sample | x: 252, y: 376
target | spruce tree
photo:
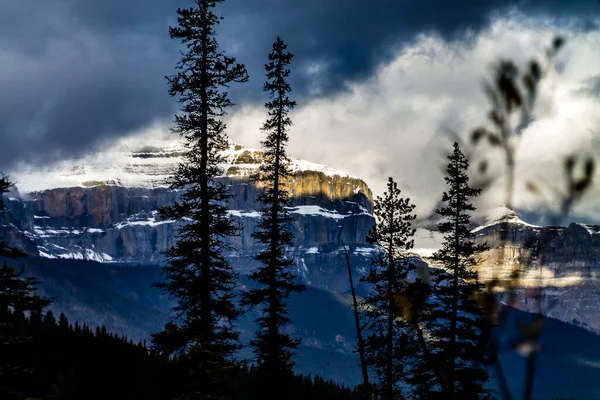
x: 6, y: 251
x: 389, y: 344
x: 198, y: 275
x: 17, y: 297
x: 272, y: 347
x: 452, y: 317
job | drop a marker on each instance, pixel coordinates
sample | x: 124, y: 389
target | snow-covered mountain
x: 558, y: 266
x: 104, y: 207
x: 143, y: 162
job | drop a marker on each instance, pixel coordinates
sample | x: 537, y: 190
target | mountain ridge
x: 117, y: 225
x: 104, y: 208
x: 143, y: 162
x: 114, y: 222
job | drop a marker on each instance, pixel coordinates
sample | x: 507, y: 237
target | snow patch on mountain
x: 84, y: 254
x: 322, y: 212
x: 365, y: 251
x: 244, y: 214
x: 592, y: 229
x: 143, y: 219
x: 312, y: 250
x: 317, y: 211
x: 297, y: 165
x: 52, y: 232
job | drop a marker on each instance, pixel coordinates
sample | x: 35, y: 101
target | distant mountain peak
x: 497, y: 215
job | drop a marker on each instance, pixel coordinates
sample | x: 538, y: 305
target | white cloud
x: 394, y: 122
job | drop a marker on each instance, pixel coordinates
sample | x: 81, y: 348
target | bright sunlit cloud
x: 395, y: 122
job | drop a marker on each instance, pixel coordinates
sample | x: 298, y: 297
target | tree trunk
x: 205, y: 272
x: 453, y: 322
x: 366, y: 394
x: 389, y: 370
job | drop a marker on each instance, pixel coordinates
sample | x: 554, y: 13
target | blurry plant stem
x: 502, y: 318
x: 531, y: 357
x: 528, y: 339
x: 499, y: 371
x: 530, y: 367
x: 509, y: 97
x: 510, y: 176
x: 530, y: 374
x: 361, y: 343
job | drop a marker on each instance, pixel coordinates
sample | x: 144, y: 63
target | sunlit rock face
x: 559, y: 266
x: 104, y: 207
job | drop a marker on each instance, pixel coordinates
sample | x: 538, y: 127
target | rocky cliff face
x: 561, y: 251
x: 116, y: 220
x: 560, y: 266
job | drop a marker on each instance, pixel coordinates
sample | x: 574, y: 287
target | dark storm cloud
x: 74, y: 73
x: 67, y: 85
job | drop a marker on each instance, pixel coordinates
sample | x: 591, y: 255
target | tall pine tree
x: 276, y: 282
x: 454, y: 321
x: 17, y: 297
x: 388, y: 345
x: 6, y: 251
x: 198, y: 276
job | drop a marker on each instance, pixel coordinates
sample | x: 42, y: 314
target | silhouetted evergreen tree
x: 454, y: 321
x: 272, y: 347
x: 388, y: 345
x: 17, y: 296
x: 198, y: 276
x: 6, y: 251
x: 63, y: 323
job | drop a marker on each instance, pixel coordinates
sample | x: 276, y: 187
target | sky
x: 378, y: 84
